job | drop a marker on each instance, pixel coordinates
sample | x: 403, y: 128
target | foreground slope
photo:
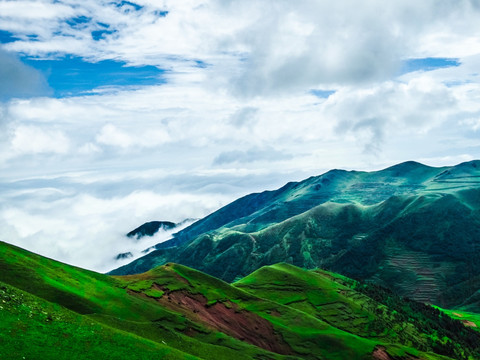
x: 53, y: 310
x: 32, y: 328
x: 413, y: 228
x: 105, y: 301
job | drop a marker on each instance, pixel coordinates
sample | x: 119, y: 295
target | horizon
x: 115, y: 113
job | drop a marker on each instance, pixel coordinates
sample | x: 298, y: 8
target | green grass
x: 472, y: 318
x: 108, y: 301
x: 53, y: 310
x: 32, y: 328
x: 366, y: 311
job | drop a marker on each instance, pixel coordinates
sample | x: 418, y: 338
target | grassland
x: 53, y: 310
x: 469, y: 319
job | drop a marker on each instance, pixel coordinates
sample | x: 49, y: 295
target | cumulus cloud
x: 251, y: 47
x: 244, y: 116
x: 34, y: 140
x: 110, y: 135
x: 393, y: 109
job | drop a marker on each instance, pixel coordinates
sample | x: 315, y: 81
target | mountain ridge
x: 150, y: 228
x: 357, y: 223
x: 255, y: 200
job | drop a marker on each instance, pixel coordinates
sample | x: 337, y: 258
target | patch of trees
x: 445, y: 335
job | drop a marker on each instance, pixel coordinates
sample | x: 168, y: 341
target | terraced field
x: 415, y: 273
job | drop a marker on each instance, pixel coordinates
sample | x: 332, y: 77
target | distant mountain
x: 410, y: 227
x: 50, y: 310
x: 151, y: 228
x: 125, y: 255
x: 166, y: 230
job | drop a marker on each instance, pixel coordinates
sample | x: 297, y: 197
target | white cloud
x: 35, y: 140
x: 89, y: 148
x: 35, y: 10
x: 89, y: 231
x: 268, y: 46
x: 250, y: 155
x: 111, y: 135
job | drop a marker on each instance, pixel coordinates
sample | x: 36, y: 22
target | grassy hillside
x: 412, y: 228
x: 363, y: 309
x: 259, y: 210
x: 53, y: 310
x: 32, y: 328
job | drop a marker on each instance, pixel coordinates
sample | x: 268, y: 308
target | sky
x: 114, y: 113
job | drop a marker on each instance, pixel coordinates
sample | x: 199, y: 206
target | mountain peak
x: 472, y: 163
x: 407, y: 166
x: 150, y: 228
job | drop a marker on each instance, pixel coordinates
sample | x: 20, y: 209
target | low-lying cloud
x: 89, y: 231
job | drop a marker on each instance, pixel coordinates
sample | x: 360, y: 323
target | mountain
x: 410, y: 227
x: 146, y: 236
x: 150, y: 228
x: 125, y: 255
x: 53, y: 310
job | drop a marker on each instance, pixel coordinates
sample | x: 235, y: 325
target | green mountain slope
x: 53, y: 310
x: 359, y: 308
x: 412, y: 228
x: 113, y: 303
x: 32, y: 328
x: 256, y: 211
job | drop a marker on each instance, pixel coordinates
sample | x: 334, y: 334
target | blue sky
x: 73, y: 76
x: 428, y: 64
x: 113, y: 113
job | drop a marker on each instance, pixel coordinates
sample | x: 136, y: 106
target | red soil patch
x: 469, y: 323
x: 240, y: 324
x: 380, y: 353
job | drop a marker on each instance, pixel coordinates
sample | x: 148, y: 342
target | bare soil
x: 227, y: 318
x: 380, y: 353
x: 469, y: 323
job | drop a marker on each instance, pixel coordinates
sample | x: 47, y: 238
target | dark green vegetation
x: 412, y: 228
x: 150, y: 228
x: 49, y: 310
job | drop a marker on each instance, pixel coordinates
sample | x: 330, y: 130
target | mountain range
x: 412, y: 228
x: 346, y: 265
